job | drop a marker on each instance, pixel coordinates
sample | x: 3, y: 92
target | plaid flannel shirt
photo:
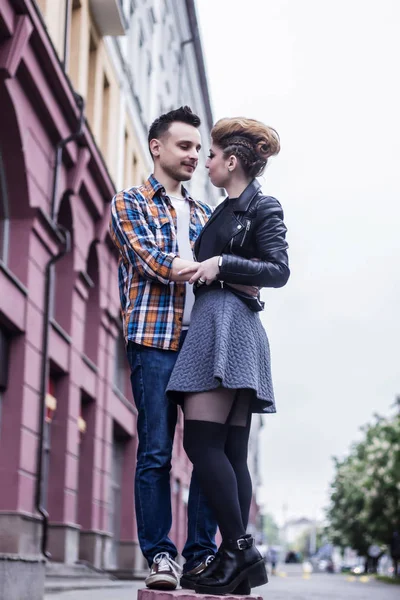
x: 143, y: 228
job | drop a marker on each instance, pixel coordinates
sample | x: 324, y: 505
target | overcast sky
x: 326, y: 75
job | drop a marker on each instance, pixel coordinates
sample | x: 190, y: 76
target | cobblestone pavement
x: 289, y: 584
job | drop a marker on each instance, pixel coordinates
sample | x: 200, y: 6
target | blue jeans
x: 151, y: 369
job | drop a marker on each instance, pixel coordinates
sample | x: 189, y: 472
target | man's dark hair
x: 161, y: 125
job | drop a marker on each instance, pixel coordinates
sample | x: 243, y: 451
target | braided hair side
x: 249, y: 140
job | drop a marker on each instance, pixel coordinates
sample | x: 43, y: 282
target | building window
x: 116, y: 486
x: 152, y: 19
x: 91, y: 92
x: 4, y: 215
x: 4, y: 361
x: 161, y: 110
x: 178, y: 61
x: 75, y: 46
x: 87, y: 466
x: 87, y: 406
x: 121, y: 365
x: 105, y: 117
x: 4, y: 357
x: 134, y: 170
x: 63, y: 274
x: 130, y: 162
x: 171, y: 37
x: 129, y: 7
x: 164, y: 13
x: 145, y: 72
x: 149, y: 66
x: 127, y: 163
x: 92, y: 320
x: 51, y: 407
x: 141, y: 37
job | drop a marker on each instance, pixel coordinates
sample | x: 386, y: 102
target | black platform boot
x: 238, y: 562
x: 243, y: 589
x: 189, y: 581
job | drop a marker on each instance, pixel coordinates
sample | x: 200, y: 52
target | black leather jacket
x: 252, y: 227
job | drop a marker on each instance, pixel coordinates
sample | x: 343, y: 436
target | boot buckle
x: 244, y: 543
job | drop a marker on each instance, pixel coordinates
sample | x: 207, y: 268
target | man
x: 154, y: 226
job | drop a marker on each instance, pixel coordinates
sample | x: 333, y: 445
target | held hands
x: 207, y: 271
x: 203, y: 272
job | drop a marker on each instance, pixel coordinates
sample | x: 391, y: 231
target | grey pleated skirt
x: 226, y: 346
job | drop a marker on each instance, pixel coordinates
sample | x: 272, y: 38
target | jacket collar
x: 242, y: 203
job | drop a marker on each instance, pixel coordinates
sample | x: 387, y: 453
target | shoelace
x: 165, y: 563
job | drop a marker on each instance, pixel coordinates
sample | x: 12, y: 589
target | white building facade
x: 160, y: 65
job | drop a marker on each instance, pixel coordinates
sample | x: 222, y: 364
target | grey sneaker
x: 164, y: 573
x: 189, y: 579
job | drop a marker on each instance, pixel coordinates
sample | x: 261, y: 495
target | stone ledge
x: 146, y: 594
x: 21, y: 559
x: 68, y: 585
x: 21, y: 577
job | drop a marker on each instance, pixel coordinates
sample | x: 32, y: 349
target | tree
x: 365, y: 496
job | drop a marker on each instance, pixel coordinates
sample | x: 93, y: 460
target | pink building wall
x: 38, y: 109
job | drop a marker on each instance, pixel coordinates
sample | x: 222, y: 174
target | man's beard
x: 174, y: 173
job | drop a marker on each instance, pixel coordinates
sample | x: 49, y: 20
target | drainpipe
x: 64, y: 237
x: 67, y: 28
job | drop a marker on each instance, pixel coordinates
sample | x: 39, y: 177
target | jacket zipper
x: 245, y: 233
x: 206, y: 225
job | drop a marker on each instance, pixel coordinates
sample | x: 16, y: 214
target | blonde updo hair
x: 249, y: 140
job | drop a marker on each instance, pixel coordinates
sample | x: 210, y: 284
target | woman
x: 222, y: 374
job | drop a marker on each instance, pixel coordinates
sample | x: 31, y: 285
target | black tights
x: 217, y: 427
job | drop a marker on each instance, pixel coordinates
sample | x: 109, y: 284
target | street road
x: 292, y: 584
x: 289, y: 584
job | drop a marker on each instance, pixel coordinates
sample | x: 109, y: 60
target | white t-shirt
x: 182, y: 209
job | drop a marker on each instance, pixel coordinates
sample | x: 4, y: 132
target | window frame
x: 5, y: 359
x: 120, y: 365
x: 5, y: 214
x: 5, y: 342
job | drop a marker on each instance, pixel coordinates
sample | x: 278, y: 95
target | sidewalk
x: 113, y: 590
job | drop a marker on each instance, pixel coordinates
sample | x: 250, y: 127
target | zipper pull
x: 248, y: 223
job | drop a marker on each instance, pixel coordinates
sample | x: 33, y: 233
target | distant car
x: 292, y: 557
x: 346, y: 568
x: 358, y: 570
x: 323, y: 565
x: 355, y: 566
